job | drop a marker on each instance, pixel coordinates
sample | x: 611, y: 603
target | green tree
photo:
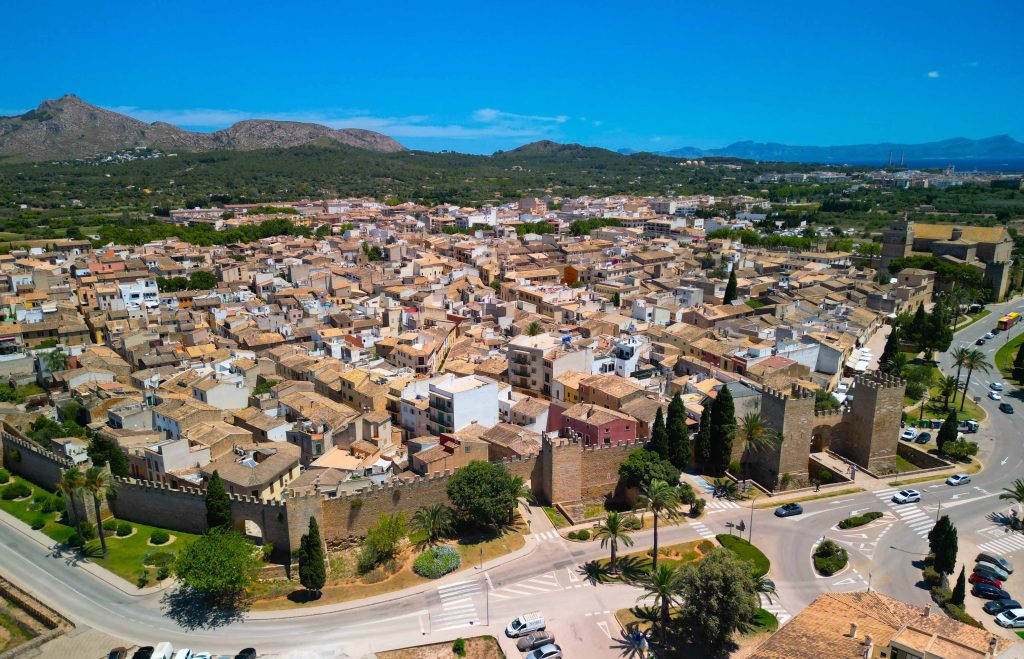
x: 55, y: 360
x: 434, y: 521
x: 642, y: 466
x: 71, y: 485
x: 659, y: 436
x: 948, y: 386
x: 105, y: 452
x: 616, y: 300
x: 202, y: 280
x: 382, y: 541
x: 218, y: 504
x: 976, y: 361
x: 220, y: 564
x: 663, y: 585
x: 755, y: 434
x: 719, y: 598
x: 723, y: 427
x: 98, y: 483
x: 611, y: 532
x: 892, y: 345
x: 483, y: 493
x: 959, y: 590
x: 959, y: 356
x: 942, y: 541
x: 765, y: 586
x: 663, y: 501
x: 533, y: 329
x: 895, y: 365
x: 312, y: 573
x: 323, y: 231
x: 678, y: 437
x: 948, y: 431
x: 919, y: 325
x: 731, y: 288
x: 1014, y: 493
x: 703, y: 444
x: 1018, y: 364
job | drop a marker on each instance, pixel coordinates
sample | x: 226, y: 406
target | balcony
x: 521, y: 370
x: 519, y: 358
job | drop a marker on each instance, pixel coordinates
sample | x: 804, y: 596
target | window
x: 467, y: 449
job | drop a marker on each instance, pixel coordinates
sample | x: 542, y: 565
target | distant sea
x: 1006, y: 165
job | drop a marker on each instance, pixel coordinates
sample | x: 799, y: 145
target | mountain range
x: 69, y: 128
x: 999, y: 147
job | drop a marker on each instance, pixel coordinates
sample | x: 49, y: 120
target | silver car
x: 549, y: 651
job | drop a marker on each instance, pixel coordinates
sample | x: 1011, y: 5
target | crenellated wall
x: 26, y: 458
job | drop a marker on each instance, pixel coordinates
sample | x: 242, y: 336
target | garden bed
x: 747, y: 552
x: 478, y: 647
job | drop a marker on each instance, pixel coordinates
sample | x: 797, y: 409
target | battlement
x: 777, y: 394
x: 29, y: 445
x: 156, y: 485
x: 802, y: 393
x: 833, y: 413
x: 878, y: 380
x: 622, y: 445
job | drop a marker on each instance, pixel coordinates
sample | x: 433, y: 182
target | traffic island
x: 477, y: 647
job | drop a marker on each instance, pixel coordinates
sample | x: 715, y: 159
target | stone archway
x: 251, y: 530
x: 821, y: 439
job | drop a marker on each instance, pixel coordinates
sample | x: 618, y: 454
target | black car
x: 789, y: 509
x: 118, y: 653
x: 998, y: 606
x: 145, y: 652
x: 247, y: 653
x: 1006, y: 408
x: 979, y: 342
x: 923, y: 438
x: 985, y: 591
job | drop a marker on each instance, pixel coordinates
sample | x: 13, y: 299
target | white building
x: 457, y: 402
x: 143, y: 293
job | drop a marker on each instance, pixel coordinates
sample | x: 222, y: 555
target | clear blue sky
x: 479, y: 76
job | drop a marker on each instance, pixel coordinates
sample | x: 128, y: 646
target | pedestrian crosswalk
x: 716, y: 505
x: 1006, y: 545
x: 458, y: 608
x: 545, y: 583
x: 910, y: 514
x: 547, y: 536
x: 703, y: 530
x: 775, y: 609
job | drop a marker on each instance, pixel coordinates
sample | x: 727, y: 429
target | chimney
x: 853, y: 630
x: 993, y: 645
x: 927, y: 610
x: 869, y: 647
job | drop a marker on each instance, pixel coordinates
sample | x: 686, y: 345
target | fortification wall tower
x: 792, y: 415
x: 873, y: 422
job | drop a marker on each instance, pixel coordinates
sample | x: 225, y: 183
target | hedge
x: 859, y: 520
x: 956, y: 613
x: 4, y: 476
x: 746, y: 552
x: 830, y: 558
x: 124, y: 529
x: 15, y: 490
x: 437, y: 562
x: 110, y: 525
x: 159, y: 536
x: 583, y: 534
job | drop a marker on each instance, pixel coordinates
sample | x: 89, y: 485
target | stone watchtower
x: 872, y: 423
x: 792, y: 415
x: 898, y: 241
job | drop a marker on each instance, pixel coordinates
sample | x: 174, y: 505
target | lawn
x: 812, y: 497
x: 1005, y: 355
x: 634, y: 563
x: 903, y: 465
x: 478, y: 647
x: 556, y: 518
x: 746, y: 552
x: 764, y: 621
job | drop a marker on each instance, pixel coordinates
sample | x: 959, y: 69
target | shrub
x: 143, y: 579
x: 368, y: 558
x: 60, y: 504
x: 39, y: 497
x: 158, y: 558
x: 459, y: 646
x: 785, y: 480
x: 829, y: 558
x: 74, y: 540
x: 38, y: 523
x: 88, y: 529
x: 583, y: 535
x: 572, y: 535
x: 697, y: 507
x: 110, y: 525
x: 159, y: 536
x: 49, y: 505
x: 957, y: 613
x: 734, y: 468
x: 15, y: 490
x: 4, y: 476
x: 747, y: 552
x: 941, y: 595
x: 437, y: 562
x: 124, y: 529
x: 163, y: 572
x: 931, y: 576
x: 705, y: 546
x: 631, y: 523
x: 859, y: 520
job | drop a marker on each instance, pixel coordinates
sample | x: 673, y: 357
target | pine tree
x: 1018, y: 364
x: 960, y: 590
x: 678, y: 437
x: 730, y: 288
x: 892, y: 346
x: 616, y: 300
x: 659, y: 436
x: 312, y: 574
x: 218, y: 505
x: 702, y: 443
x: 948, y: 431
x: 919, y: 325
x: 723, y: 427
x: 942, y: 540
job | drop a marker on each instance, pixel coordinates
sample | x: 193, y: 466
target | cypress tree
x: 892, y: 345
x: 1018, y: 364
x: 942, y: 540
x: 312, y: 574
x: 218, y: 505
x: 730, y: 288
x: 960, y: 590
x: 678, y: 437
x: 659, y: 436
x: 723, y: 426
x: 947, y: 432
x: 919, y: 325
x: 702, y: 443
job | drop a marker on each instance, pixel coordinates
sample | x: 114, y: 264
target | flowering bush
x: 437, y: 562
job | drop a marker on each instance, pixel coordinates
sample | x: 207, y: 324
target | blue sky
x: 479, y: 76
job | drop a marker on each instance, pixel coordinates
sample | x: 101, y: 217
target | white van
x: 183, y: 653
x: 163, y: 650
x: 525, y: 624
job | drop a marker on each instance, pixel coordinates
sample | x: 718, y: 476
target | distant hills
x: 957, y: 149
x: 70, y: 128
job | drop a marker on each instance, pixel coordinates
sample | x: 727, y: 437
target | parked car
x: 118, y: 653
x: 1012, y: 618
x: 906, y: 496
x: 994, y: 395
x: 996, y: 560
x: 1006, y: 408
x: 789, y: 510
x: 989, y: 335
x: 991, y: 571
x: 534, y: 641
x: 184, y: 653
x: 980, y: 342
x: 246, y: 653
x: 163, y: 650
x: 998, y: 606
x: 996, y: 386
x: 145, y: 652
x: 982, y: 578
x: 202, y: 655
x: 525, y: 624
x: 985, y: 591
x: 550, y: 651
x: 969, y: 426
x: 923, y: 438
x: 958, y: 479
x: 908, y: 434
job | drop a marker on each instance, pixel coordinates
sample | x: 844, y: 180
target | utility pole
x: 750, y: 533
x: 937, y: 511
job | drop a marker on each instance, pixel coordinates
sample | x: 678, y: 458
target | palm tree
x: 55, y: 360
x: 726, y: 486
x: 959, y: 355
x: 975, y: 361
x: 948, y: 386
x: 71, y: 484
x: 765, y: 586
x: 1015, y: 493
x: 896, y: 364
x: 956, y: 298
x: 98, y: 483
x: 662, y: 498
x: 434, y: 521
x: 533, y: 329
x: 754, y: 433
x: 611, y: 533
x: 663, y: 585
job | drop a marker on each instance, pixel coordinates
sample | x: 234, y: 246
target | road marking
x: 457, y: 606
x: 836, y: 503
x: 490, y: 584
x: 1004, y: 460
x: 572, y: 574
x: 703, y: 530
x: 603, y: 626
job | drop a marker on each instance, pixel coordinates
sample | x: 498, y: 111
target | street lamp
x: 750, y: 533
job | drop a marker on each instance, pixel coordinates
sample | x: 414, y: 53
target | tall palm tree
x: 662, y: 499
x: 948, y: 386
x: 434, y: 521
x: 1015, y: 493
x: 956, y: 298
x: 896, y: 364
x: 98, y: 483
x: 765, y: 586
x: 55, y: 360
x: 975, y: 361
x: 663, y: 585
x: 754, y: 433
x: 959, y: 355
x: 611, y: 533
x: 533, y: 329
x: 71, y: 484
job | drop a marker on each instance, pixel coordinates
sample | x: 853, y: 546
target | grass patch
x: 746, y: 552
x: 859, y: 520
x: 764, y: 621
x: 478, y: 647
x: 974, y: 317
x: 1005, y: 355
x: 811, y: 497
x: 590, y: 512
x: 903, y: 465
x: 556, y: 518
x: 634, y: 564
x: 974, y: 468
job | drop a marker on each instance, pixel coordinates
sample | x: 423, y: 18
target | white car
x: 990, y: 335
x: 996, y: 386
x: 1011, y: 618
x: 908, y: 434
x: 958, y: 479
x: 549, y: 651
x: 994, y: 395
x: 906, y: 496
